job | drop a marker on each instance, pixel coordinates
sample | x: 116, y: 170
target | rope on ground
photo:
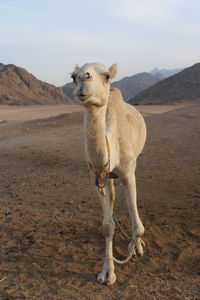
x: 124, y: 261
x: 132, y: 250
x: 4, y: 278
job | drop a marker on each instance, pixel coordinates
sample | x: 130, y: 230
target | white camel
x: 115, y: 134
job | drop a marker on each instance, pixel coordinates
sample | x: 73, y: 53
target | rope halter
x: 100, y: 177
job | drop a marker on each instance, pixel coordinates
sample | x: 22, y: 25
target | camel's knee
x: 109, y: 229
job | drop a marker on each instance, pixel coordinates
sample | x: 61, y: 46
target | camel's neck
x: 95, y: 132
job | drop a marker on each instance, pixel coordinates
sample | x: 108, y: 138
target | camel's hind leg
x: 137, y: 226
x: 107, y: 274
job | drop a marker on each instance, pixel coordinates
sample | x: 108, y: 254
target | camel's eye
x: 107, y: 76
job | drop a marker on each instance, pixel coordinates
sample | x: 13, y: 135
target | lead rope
x: 124, y: 261
x: 121, y: 228
x: 132, y: 247
x: 101, y: 184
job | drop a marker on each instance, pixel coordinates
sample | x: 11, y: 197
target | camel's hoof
x: 138, y: 245
x: 104, y: 278
x: 101, y: 278
x: 131, y: 247
x: 111, y: 279
x: 143, y: 243
x: 100, y: 281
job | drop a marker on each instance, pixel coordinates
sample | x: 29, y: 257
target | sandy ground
x: 158, y: 109
x: 25, y: 113
x: 51, y: 237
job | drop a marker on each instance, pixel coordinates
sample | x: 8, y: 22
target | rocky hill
x: 164, y: 73
x: 133, y: 85
x: 19, y: 87
x: 68, y: 89
x: 181, y: 87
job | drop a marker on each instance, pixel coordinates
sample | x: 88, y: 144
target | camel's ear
x: 113, y: 70
x: 73, y: 74
x: 77, y: 67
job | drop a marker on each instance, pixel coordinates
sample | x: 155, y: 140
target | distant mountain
x: 18, y: 87
x: 181, y: 87
x: 68, y: 89
x: 164, y: 73
x: 131, y: 86
x: 158, y: 76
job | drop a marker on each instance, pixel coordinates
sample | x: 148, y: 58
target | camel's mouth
x: 83, y: 97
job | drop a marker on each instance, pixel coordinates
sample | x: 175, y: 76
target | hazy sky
x: 49, y: 37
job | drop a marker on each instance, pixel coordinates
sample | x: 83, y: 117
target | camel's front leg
x: 137, y: 226
x: 107, y: 274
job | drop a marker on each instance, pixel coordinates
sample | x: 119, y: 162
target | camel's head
x: 92, y: 83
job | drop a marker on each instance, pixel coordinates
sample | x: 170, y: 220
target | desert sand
x: 25, y: 113
x: 51, y: 237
